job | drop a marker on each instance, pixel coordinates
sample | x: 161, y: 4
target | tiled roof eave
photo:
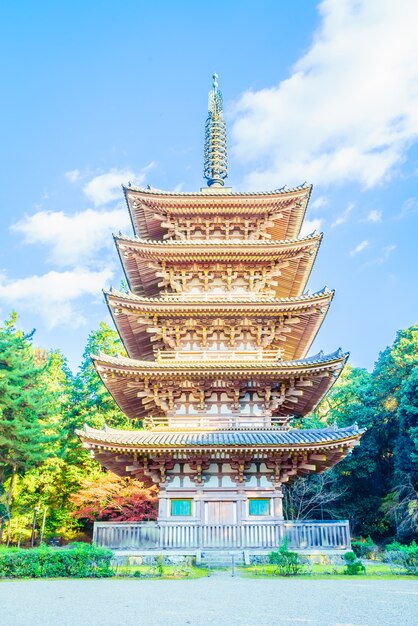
x: 200, y: 244
x: 179, y: 302
x: 321, y: 360
x: 283, y: 191
x: 270, y: 440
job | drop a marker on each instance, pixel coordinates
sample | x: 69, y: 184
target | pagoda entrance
x: 220, y: 512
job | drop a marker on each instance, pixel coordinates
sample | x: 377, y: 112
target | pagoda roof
x: 319, y: 359
x: 173, y: 439
x: 136, y: 255
x: 146, y: 206
x: 234, y: 300
x: 295, y: 452
x: 125, y: 378
x: 134, y: 314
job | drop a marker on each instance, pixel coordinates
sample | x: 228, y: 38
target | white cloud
x: 318, y: 203
x: 73, y: 176
x: 409, y: 207
x: 343, y: 216
x: 373, y: 216
x: 54, y: 296
x: 348, y: 111
x: 361, y: 246
x: 106, y: 187
x: 386, y: 252
x: 383, y: 257
x: 77, y: 241
x: 309, y: 226
x: 73, y: 239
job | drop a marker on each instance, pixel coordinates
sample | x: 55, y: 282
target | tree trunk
x: 43, y: 526
x: 11, y: 486
x: 9, y: 499
x: 9, y: 533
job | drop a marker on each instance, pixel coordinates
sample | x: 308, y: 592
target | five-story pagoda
x: 217, y: 326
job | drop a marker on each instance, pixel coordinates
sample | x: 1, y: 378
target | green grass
x: 377, y: 571
x: 170, y: 572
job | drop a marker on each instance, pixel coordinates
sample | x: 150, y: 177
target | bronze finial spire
x: 216, y: 163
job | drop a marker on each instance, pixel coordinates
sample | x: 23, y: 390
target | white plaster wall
x: 212, y: 481
x: 228, y: 482
x: 264, y: 482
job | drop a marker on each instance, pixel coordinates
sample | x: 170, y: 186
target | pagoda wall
x: 219, y: 498
x: 217, y: 279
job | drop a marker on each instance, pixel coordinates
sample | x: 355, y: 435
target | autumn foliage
x: 111, y: 498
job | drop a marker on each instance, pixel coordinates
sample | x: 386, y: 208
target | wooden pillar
x: 199, y: 506
x: 278, y: 503
x: 241, y: 507
x: 162, y: 505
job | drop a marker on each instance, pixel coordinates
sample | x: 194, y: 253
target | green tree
x: 74, y: 400
x: 359, y: 478
x: 371, y: 480
x: 405, y: 493
x: 24, y: 409
x: 47, y: 486
x: 93, y: 403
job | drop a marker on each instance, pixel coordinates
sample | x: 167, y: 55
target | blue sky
x: 99, y: 93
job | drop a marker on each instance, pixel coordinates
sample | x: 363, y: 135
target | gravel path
x: 217, y: 601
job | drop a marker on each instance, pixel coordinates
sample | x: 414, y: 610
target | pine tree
x: 24, y: 408
x: 93, y: 403
x: 405, y: 494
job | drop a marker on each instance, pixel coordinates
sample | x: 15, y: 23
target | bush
x: 78, y: 560
x: 288, y: 563
x: 402, y: 557
x: 353, y: 565
x: 365, y: 548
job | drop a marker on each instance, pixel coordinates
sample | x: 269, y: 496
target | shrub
x: 113, y: 498
x: 402, y: 557
x: 353, y: 565
x: 365, y: 548
x: 78, y: 560
x: 288, y: 563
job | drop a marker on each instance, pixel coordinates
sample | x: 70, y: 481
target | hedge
x: 364, y: 548
x: 78, y: 560
x: 402, y: 557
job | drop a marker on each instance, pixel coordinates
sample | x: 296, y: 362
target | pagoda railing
x: 215, y: 421
x: 224, y: 296
x: 300, y: 535
x: 219, y: 355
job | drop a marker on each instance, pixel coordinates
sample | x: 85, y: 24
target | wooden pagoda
x: 217, y: 325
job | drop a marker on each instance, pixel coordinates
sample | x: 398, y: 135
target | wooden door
x: 220, y: 512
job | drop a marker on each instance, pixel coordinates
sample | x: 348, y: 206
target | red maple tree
x: 111, y: 498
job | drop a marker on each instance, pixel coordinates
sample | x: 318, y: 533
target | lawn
x: 168, y: 572
x: 375, y: 570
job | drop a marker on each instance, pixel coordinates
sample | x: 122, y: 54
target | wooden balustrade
x: 219, y: 355
x: 215, y: 421
x: 307, y: 535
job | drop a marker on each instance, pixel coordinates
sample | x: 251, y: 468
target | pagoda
x: 217, y: 325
